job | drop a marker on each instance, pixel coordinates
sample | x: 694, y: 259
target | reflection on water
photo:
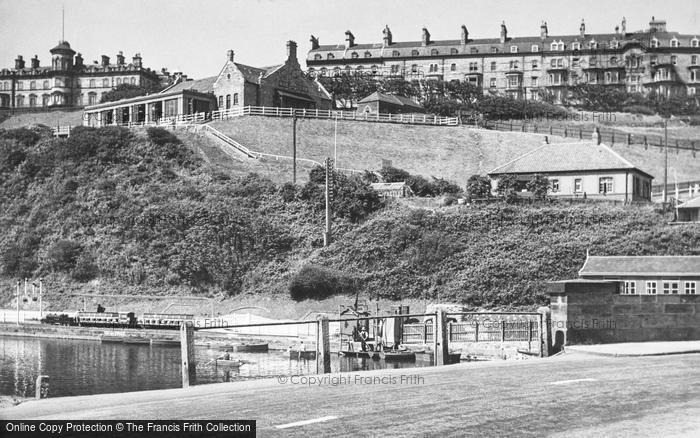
x: 78, y: 367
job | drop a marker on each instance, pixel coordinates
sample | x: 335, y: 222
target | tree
x: 394, y: 174
x: 126, y: 91
x: 479, y: 187
x: 506, y: 188
x: 538, y: 186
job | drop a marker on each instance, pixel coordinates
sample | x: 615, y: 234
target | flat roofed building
x: 646, y: 275
x: 579, y: 170
x: 653, y: 59
x: 689, y: 211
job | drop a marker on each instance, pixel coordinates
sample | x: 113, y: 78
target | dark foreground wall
x: 591, y: 312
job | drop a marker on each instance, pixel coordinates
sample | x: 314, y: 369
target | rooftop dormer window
x: 557, y: 45
x: 675, y: 42
x: 354, y: 55
x: 434, y: 52
x: 694, y: 42
x: 330, y: 56
x: 454, y: 51
x: 593, y: 45
x: 535, y: 48
x: 614, y: 44
x: 395, y: 53
x: 318, y: 57
x: 654, y: 43
x: 513, y: 49
x: 576, y: 46
x: 368, y: 54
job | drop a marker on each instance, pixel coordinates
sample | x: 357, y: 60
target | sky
x: 193, y: 36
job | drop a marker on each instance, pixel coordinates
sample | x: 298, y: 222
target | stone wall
x: 591, y: 312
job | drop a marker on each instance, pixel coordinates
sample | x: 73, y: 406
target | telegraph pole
x: 18, y: 283
x: 294, y: 146
x: 41, y: 291
x: 665, y: 162
x: 329, y: 175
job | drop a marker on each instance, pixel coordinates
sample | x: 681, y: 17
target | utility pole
x: 335, y: 141
x: 665, y: 162
x: 18, y: 283
x: 294, y: 146
x: 41, y: 291
x: 329, y: 175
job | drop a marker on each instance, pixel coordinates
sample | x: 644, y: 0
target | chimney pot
x: 229, y: 55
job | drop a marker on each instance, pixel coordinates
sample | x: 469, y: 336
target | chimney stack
x: 314, y: 43
x: 624, y: 25
x: 105, y: 60
x: 582, y: 29
x: 137, y: 61
x: 350, y: 38
x: 229, y: 55
x: 79, y: 60
x: 19, y: 62
x: 35, y: 61
x: 504, y: 32
x: 544, y: 33
x: 120, y: 58
x: 426, y: 37
x: 465, y: 35
x: 291, y: 51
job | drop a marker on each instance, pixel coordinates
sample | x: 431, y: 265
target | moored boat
x: 302, y: 354
x: 229, y: 363
x: 404, y: 356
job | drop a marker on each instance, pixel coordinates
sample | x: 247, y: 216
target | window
x: 675, y: 42
x: 20, y: 100
x: 434, y: 52
x: 652, y: 60
x: 375, y: 69
x: 395, y: 53
x: 674, y: 59
x: 614, y: 44
x: 555, y: 185
x: 690, y: 287
x: 336, y: 71
x: 414, y: 68
x: 454, y: 51
x: 492, y: 83
x: 654, y: 43
x: 613, y: 61
x: 592, y: 61
x: 534, y: 82
x: 92, y: 98
x: 92, y: 83
x: 20, y: 85
x: 323, y: 71
x: 354, y: 55
x: 473, y: 50
x: 694, y: 42
x: 650, y: 287
x: 32, y: 86
x: 513, y: 65
x: 132, y: 81
x: 46, y: 98
x: 221, y: 101
x: 535, y: 64
x: 493, y: 66
x: 330, y: 56
x: 348, y: 70
x: 494, y: 49
x: 32, y: 100
x: 693, y: 77
x: 630, y: 288
x: 235, y: 98
x: 318, y: 57
x: 575, y: 62
x: 433, y: 68
x: 453, y: 67
x: 105, y: 82
x: 593, y: 45
x: 578, y: 185
x: 535, y: 48
x: 513, y: 81
x: 605, y: 185
x: 473, y: 66
x: 359, y: 70
x: 576, y: 46
x: 513, y: 49
x: 414, y: 53
x: 396, y: 68
x: 228, y: 101
x: 694, y: 60
x: 119, y: 81
x: 670, y: 287
x: 368, y: 55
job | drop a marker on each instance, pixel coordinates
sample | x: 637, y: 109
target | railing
x: 231, y: 142
x: 61, y: 131
x: 413, y: 119
x: 608, y: 136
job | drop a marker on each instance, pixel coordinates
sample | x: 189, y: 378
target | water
x: 78, y: 367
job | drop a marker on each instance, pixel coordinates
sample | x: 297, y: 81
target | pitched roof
x: 640, y: 265
x: 251, y: 74
x: 566, y: 157
x: 691, y: 203
x: 390, y: 98
x: 205, y: 85
x: 388, y: 186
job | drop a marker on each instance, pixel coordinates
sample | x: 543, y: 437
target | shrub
x: 63, y: 255
x: 85, y: 268
x: 393, y: 174
x: 317, y: 175
x: 506, y: 188
x: 420, y: 186
x: 160, y: 136
x: 478, y: 187
x: 639, y: 109
x: 441, y: 186
x: 288, y: 192
x: 538, y: 186
x: 317, y: 282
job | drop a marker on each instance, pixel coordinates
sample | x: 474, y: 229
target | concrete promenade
x: 638, y: 348
x: 572, y: 394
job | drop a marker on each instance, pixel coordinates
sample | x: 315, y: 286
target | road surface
x: 570, y: 395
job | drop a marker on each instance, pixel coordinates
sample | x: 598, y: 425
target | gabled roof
x: 566, y: 157
x: 205, y: 85
x: 252, y: 74
x: 691, y: 203
x: 596, y: 266
x: 390, y: 98
x: 388, y: 186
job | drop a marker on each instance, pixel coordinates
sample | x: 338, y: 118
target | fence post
x: 612, y: 141
x: 566, y: 132
x: 503, y: 330
x: 629, y: 139
x: 580, y: 134
x: 42, y: 387
x: 544, y: 330
x: 324, y: 347
x: 646, y: 145
x: 677, y: 147
x: 692, y: 146
x: 476, y: 331
x: 440, y: 341
x: 189, y: 366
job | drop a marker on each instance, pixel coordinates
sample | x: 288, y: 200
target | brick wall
x: 588, y: 311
